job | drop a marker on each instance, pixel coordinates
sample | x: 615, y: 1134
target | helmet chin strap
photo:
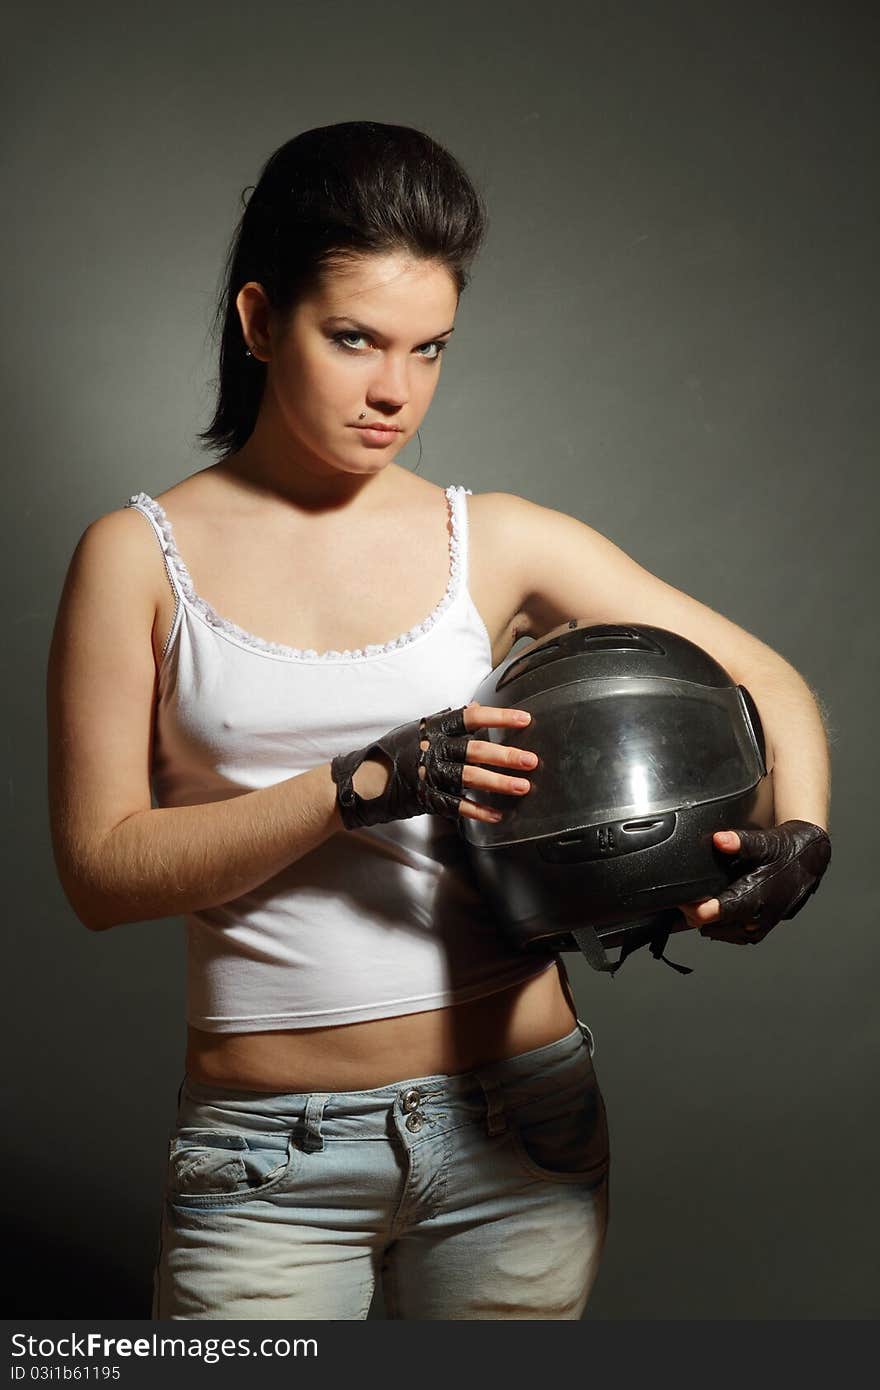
x: 652, y: 931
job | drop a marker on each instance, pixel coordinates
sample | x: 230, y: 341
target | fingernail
x: 523, y: 718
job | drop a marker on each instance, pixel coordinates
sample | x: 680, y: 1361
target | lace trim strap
x: 143, y: 503
x: 461, y: 532
x: 458, y: 552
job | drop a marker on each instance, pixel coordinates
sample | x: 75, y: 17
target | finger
x: 490, y: 717
x: 500, y: 754
x: 494, y: 781
x: 728, y: 840
x: 692, y: 921
x: 690, y: 911
x: 472, y: 810
x: 756, y: 844
x: 707, y: 910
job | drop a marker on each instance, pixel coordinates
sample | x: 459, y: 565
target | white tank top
x: 372, y: 923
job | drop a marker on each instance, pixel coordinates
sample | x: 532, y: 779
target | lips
x: 377, y: 425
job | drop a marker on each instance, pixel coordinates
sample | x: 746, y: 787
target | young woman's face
x: 368, y: 343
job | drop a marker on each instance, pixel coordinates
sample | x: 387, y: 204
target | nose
x: 390, y: 387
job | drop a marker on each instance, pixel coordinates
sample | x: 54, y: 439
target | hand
x: 790, y: 860
x: 425, y: 765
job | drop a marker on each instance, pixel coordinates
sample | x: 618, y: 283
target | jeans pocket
x: 563, y: 1136
x: 224, y: 1167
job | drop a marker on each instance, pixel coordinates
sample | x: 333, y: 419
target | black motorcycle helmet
x: 646, y: 746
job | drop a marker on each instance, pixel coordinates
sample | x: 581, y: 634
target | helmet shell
x: 646, y: 746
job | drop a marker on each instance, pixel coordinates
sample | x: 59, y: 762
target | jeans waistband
x: 488, y: 1090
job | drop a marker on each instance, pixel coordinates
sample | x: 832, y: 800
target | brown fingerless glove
x: 407, y: 793
x: 787, y: 863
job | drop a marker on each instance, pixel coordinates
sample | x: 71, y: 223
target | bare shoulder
x: 496, y: 511
x: 509, y: 509
x: 500, y: 508
x: 113, y: 581
x: 500, y: 523
x: 121, y: 547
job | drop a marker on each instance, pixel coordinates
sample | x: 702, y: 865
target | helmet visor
x: 625, y: 749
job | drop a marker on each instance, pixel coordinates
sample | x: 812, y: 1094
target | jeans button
x: 411, y: 1099
x: 414, y: 1123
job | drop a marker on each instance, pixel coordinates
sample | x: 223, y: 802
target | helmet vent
x: 621, y: 639
x: 609, y: 639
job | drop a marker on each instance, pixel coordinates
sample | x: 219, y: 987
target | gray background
x: 671, y: 334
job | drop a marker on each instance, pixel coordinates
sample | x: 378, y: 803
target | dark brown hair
x: 338, y: 191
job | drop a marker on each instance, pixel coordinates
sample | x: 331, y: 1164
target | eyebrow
x: 374, y: 332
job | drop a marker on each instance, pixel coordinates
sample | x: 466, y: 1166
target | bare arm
x: 172, y: 860
x: 797, y: 740
x: 569, y: 570
x: 118, y: 858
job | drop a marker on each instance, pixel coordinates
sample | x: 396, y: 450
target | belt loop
x: 496, y: 1121
x: 588, y: 1034
x: 313, y: 1140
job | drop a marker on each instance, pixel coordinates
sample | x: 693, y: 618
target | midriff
x: 359, y: 1056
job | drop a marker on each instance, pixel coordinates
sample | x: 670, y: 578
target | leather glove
x: 408, y: 793
x: 791, y: 859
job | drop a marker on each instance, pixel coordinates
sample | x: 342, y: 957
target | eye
x: 339, y: 339
x: 438, y: 345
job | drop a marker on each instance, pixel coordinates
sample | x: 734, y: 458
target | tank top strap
x: 458, y: 545
x: 155, y: 514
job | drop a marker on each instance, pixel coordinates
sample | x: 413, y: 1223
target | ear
x: 254, y: 314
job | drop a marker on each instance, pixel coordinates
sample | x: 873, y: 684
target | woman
x: 376, y: 1085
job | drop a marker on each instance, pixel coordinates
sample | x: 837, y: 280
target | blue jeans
x: 482, y: 1195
